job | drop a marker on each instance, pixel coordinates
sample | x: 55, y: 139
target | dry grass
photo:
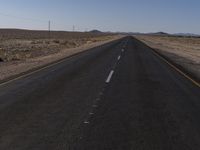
x: 24, y: 44
x: 184, y: 51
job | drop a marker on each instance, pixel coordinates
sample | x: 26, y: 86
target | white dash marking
x: 110, y: 76
x: 119, y: 57
x: 86, y: 122
x: 91, y: 113
x: 95, y: 106
x: 98, y: 99
x: 101, y: 93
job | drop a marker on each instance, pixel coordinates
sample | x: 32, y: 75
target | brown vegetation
x: 23, y: 44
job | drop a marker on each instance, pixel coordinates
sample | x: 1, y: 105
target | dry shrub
x: 56, y: 41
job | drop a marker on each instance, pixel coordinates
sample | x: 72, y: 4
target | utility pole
x: 73, y: 28
x: 49, y: 28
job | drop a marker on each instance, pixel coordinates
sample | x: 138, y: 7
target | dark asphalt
x: 146, y: 105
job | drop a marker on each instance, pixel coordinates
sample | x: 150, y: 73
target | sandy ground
x: 184, y: 51
x: 13, y: 68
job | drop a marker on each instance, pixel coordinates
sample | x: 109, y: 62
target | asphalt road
x: 118, y: 96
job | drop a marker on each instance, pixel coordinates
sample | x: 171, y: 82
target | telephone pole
x: 73, y: 28
x: 49, y: 28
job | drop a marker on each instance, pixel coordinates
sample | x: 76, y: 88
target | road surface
x: 118, y: 96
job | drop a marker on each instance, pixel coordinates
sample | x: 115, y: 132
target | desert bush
x: 56, y: 41
x: 33, y: 42
x: 65, y: 42
x: 47, y: 42
x: 2, y: 55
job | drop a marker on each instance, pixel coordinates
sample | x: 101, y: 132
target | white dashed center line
x: 91, y: 113
x: 107, y: 81
x: 86, y: 122
x: 95, y: 106
x: 119, y: 57
x: 110, y: 76
x: 98, y: 99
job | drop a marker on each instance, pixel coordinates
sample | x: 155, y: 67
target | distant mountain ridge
x: 160, y: 33
x: 187, y: 34
x: 175, y: 34
x: 95, y: 31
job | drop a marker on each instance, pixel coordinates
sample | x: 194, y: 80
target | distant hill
x: 95, y: 31
x: 187, y: 34
x: 159, y: 33
x: 38, y: 34
x: 176, y: 34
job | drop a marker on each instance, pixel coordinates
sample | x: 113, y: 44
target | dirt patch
x: 183, y: 51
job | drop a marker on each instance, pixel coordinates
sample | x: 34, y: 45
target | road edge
x: 180, y: 69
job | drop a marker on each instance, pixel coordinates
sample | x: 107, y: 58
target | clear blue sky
x: 172, y: 16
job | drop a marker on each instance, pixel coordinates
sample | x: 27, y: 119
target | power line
x: 73, y: 28
x: 49, y: 28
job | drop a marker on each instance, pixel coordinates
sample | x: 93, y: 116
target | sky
x: 172, y: 16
